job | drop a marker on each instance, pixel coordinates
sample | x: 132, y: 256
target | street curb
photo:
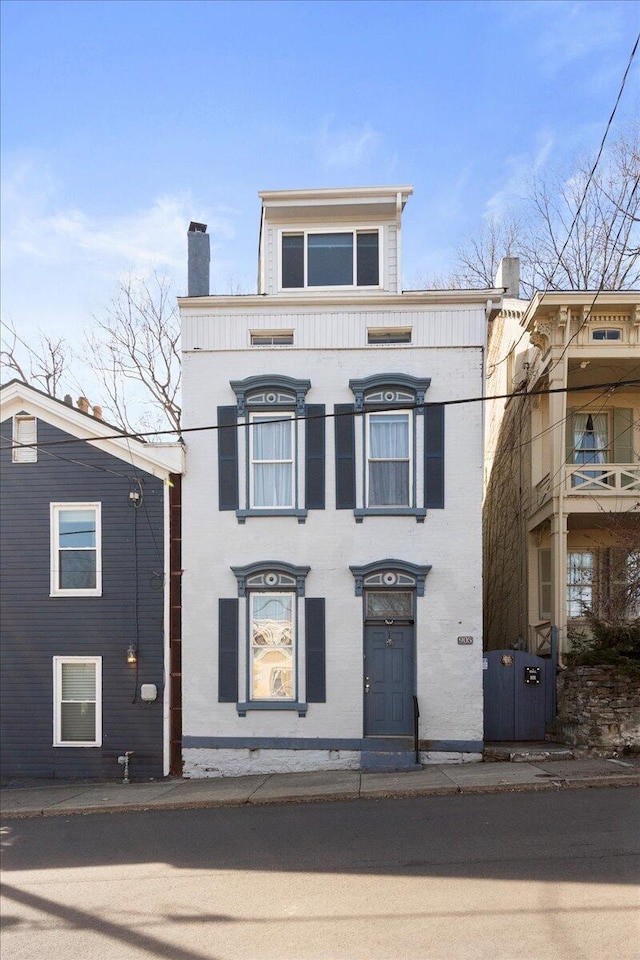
x: 554, y: 783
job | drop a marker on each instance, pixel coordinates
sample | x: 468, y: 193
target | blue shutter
x: 434, y: 456
x: 227, y: 459
x: 228, y: 651
x: 315, y: 648
x: 345, y: 456
x: 315, y: 457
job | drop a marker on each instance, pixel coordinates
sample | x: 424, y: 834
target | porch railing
x: 606, y: 479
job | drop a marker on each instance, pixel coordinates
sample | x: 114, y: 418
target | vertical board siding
x: 436, y: 326
x: 37, y: 627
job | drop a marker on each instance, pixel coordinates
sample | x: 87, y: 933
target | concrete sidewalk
x: 66, y: 798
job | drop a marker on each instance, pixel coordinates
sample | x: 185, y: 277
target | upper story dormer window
x: 345, y: 258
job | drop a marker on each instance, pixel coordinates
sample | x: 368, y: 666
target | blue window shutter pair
x: 314, y: 458
x: 433, y: 456
x: 228, y: 642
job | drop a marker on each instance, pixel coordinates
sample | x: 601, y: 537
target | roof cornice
x: 160, y: 461
x: 577, y: 298
x: 342, y: 300
x: 340, y: 194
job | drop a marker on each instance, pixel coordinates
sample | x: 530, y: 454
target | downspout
x: 260, y: 252
x: 398, y: 242
x: 166, y: 700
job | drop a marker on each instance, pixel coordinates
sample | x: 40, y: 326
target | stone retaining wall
x: 599, y: 709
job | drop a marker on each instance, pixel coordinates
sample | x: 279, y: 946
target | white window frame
x: 411, y: 429
x: 21, y: 454
x: 331, y: 228
x: 545, y: 583
x: 253, y: 594
x: 58, y: 663
x: 276, y: 415
x: 589, y: 585
x: 55, y: 589
x: 606, y: 339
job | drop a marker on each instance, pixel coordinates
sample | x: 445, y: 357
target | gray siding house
x: 85, y: 593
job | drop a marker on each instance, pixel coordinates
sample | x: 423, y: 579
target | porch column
x: 559, y: 578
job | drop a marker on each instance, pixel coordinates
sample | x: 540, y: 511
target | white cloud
x: 38, y: 224
x: 561, y: 33
x: 519, y: 169
x: 346, y: 147
x: 61, y: 263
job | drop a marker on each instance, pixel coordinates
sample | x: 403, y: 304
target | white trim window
x: 580, y: 577
x: 331, y: 258
x: 272, y: 646
x: 272, y: 442
x: 76, y: 550
x: 77, y: 701
x: 25, y: 431
x: 389, y: 459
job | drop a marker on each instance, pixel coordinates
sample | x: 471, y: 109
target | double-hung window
x: 389, y: 457
x: 77, y: 698
x: 76, y: 567
x: 389, y: 448
x: 596, y: 438
x: 272, y: 444
x: 25, y: 436
x: 271, y: 449
x: 580, y: 582
x: 342, y: 258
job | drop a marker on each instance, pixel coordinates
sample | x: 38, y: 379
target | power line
x: 611, y: 385
x: 584, y: 197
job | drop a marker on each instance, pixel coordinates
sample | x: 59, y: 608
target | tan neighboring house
x: 562, y: 465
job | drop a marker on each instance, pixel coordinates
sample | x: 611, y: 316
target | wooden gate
x: 519, y: 695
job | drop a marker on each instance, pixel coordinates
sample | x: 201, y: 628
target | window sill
x: 418, y: 512
x: 300, y: 708
x: 286, y: 512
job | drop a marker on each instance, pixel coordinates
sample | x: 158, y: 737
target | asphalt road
x: 524, y: 876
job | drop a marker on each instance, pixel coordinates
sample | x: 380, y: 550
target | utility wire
x: 584, y: 197
x: 347, y: 413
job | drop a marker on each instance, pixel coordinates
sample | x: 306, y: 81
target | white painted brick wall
x: 449, y: 676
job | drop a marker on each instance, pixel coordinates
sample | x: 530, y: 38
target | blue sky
x: 122, y: 121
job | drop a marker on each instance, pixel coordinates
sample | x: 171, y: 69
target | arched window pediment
x: 390, y: 574
x: 271, y: 575
x: 381, y: 388
x: 270, y: 390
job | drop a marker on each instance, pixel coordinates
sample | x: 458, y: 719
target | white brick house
x: 332, y: 523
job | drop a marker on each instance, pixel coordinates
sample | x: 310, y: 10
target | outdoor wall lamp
x: 132, y: 654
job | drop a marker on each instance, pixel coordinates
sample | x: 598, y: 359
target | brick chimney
x: 83, y: 404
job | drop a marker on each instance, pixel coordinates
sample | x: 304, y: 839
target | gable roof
x: 159, y: 459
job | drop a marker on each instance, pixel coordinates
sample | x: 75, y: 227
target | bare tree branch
x: 134, y: 352
x: 43, y: 364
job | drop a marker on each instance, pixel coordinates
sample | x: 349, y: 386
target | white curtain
x: 389, y: 460
x: 272, y: 463
x: 590, y: 442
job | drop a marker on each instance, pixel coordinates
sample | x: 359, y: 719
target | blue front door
x: 388, y: 679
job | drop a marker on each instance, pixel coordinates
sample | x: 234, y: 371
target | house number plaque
x: 465, y: 641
